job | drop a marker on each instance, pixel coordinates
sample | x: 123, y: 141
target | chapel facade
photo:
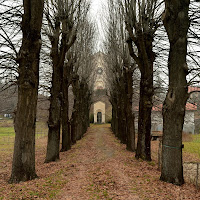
x: 101, y: 108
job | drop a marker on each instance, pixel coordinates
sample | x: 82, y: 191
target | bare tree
x: 120, y: 78
x: 10, y: 40
x: 58, y: 15
x: 23, y: 167
x: 63, y: 18
x: 176, y: 22
x: 82, y: 80
x: 70, y: 61
x: 142, y: 20
x: 67, y: 80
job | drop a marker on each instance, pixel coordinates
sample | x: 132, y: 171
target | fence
x: 7, y: 138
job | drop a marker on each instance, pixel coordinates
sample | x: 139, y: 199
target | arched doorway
x: 99, y: 117
x: 99, y: 112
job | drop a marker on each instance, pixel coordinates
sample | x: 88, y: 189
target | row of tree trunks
x: 114, y: 121
x: 117, y: 117
x: 23, y: 166
x: 54, y: 122
x: 66, y: 129
x: 123, y: 117
x: 66, y: 135
x: 144, y: 120
x: 145, y: 60
x: 80, y: 115
x: 129, y: 113
x: 60, y: 45
x: 176, y: 22
x: 139, y: 16
x: 142, y: 21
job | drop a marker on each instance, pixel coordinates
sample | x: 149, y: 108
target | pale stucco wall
x: 189, y: 126
x: 99, y: 107
x: 157, y: 122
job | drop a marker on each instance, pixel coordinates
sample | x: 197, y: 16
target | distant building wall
x: 157, y: 122
x: 189, y: 126
x: 99, y: 107
x: 100, y: 95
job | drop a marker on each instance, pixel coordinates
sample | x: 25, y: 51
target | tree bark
x: 66, y: 133
x: 122, y: 104
x: 58, y: 53
x: 75, y: 113
x: 176, y: 22
x: 80, y: 114
x: 122, y: 126
x: 146, y: 57
x: 54, y: 122
x: 144, y: 120
x: 114, y: 122
x: 23, y: 166
x: 129, y: 112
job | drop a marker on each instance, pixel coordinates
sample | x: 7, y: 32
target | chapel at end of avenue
x: 101, y: 109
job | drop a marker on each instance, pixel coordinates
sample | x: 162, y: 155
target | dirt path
x: 97, y: 167
x: 103, y: 169
x: 97, y: 172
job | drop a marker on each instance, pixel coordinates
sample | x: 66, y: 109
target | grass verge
x: 193, y: 146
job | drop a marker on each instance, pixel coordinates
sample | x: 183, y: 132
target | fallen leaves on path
x: 97, y: 167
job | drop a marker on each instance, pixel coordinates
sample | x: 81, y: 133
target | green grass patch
x: 41, y: 130
x: 193, y: 146
x: 54, y: 184
x: 152, y: 163
x: 47, y: 188
x: 7, y: 136
x: 4, y: 131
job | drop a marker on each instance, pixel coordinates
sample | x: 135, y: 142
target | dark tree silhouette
x: 23, y: 166
x: 176, y: 22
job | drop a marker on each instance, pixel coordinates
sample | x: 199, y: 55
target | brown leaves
x: 97, y: 167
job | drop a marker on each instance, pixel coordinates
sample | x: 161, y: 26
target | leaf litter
x: 96, y: 167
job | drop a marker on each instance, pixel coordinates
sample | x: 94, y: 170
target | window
x: 99, y: 70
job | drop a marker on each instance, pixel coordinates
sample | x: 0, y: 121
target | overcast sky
x: 98, y: 7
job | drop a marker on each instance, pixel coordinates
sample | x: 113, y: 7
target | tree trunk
x: 121, y: 107
x: 146, y: 57
x: 80, y: 114
x: 66, y: 135
x: 73, y: 127
x: 145, y: 60
x: 54, y: 122
x: 58, y: 53
x: 75, y: 113
x: 114, y: 120
x: 129, y: 113
x: 53, y: 144
x: 66, y: 132
x: 23, y: 166
x: 144, y: 119
x: 176, y: 23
